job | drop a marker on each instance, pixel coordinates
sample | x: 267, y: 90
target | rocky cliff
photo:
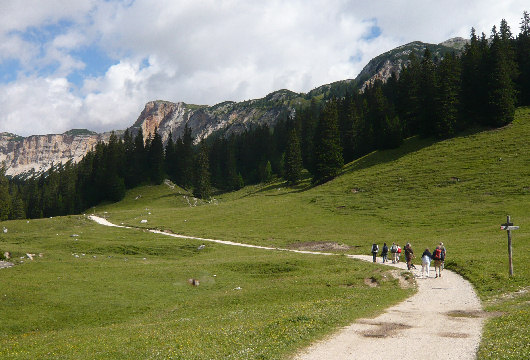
x: 35, y: 154
x: 227, y: 118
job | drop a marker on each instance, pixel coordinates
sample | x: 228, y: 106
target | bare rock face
x: 227, y: 117
x: 38, y: 153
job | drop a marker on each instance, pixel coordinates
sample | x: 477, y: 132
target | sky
x: 95, y: 63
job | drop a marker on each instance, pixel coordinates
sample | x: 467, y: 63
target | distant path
x: 443, y: 320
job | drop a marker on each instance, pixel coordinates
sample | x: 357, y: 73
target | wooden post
x: 509, y: 227
x: 509, y: 246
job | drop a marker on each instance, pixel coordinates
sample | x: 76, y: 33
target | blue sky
x: 94, y: 64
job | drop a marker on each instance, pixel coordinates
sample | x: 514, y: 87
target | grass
x: 112, y: 293
x: 457, y: 191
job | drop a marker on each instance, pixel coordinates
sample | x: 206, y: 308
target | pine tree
x: 156, y: 159
x: 427, y: 95
x: 523, y: 60
x: 447, y: 96
x: 5, y: 197
x: 201, y: 187
x: 170, y: 158
x: 293, y: 159
x: 185, y: 158
x: 139, y: 160
x: 501, y: 87
x: 328, y: 152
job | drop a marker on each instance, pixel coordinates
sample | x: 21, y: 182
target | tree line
x: 430, y: 97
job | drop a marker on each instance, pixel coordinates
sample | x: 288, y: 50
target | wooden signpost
x: 509, y: 227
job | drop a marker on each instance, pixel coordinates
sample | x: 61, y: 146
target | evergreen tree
x: 408, y: 97
x: 201, y: 187
x: 293, y: 159
x: 523, y: 60
x: 5, y: 197
x: 427, y: 95
x: 447, y: 97
x: 170, y: 158
x: 328, y: 152
x: 501, y: 87
x: 156, y: 159
x: 185, y: 159
x: 139, y: 160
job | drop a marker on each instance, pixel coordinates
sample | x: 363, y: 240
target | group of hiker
x: 438, y: 256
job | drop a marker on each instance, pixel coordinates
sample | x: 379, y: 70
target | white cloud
x: 205, y: 51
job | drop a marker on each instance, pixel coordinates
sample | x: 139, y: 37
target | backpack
x: 437, y: 254
x: 393, y: 249
x: 375, y: 248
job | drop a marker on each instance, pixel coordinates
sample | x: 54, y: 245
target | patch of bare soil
x: 383, y: 329
x: 372, y: 282
x: 405, y: 278
x: 319, y: 246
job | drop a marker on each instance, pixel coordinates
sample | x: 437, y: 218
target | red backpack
x: 437, y: 255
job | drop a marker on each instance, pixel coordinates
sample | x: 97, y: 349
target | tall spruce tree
x: 523, y: 60
x: 201, y: 186
x: 156, y: 159
x: 5, y: 197
x: 185, y: 159
x: 427, y: 95
x: 293, y: 159
x: 503, y: 70
x: 328, y: 152
x: 447, y: 97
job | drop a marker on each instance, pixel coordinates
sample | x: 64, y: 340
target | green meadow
x: 123, y: 293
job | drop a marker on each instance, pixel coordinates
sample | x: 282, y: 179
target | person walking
x: 398, y: 253
x: 409, y: 253
x: 384, y: 253
x: 425, y: 262
x: 443, y: 254
x: 375, y: 249
x: 437, y: 257
x: 393, y: 250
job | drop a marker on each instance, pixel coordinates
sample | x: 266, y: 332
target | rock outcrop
x: 37, y: 153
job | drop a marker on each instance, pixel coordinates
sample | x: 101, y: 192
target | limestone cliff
x: 35, y: 154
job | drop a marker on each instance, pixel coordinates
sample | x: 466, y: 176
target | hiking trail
x: 443, y: 320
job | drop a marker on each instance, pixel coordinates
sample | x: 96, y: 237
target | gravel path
x: 443, y: 320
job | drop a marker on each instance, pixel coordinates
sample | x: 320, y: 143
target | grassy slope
x: 136, y: 308
x: 123, y: 294
x: 457, y: 191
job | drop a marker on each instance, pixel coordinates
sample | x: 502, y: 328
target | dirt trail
x: 443, y: 320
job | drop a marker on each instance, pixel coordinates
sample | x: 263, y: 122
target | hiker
x: 425, y: 261
x: 384, y: 253
x: 394, y: 251
x: 443, y: 254
x: 398, y: 253
x: 375, y: 249
x: 409, y: 254
x: 437, y: 257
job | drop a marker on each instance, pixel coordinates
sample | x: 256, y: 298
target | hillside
x: 105, y: 288
x: 456, y: 191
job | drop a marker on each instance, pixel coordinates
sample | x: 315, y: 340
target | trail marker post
x: 509, y: 227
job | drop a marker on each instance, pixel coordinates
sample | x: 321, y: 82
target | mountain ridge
x: 24, y: 156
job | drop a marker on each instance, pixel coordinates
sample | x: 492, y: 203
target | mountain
x: 381, y: 67
x: 35, y: 154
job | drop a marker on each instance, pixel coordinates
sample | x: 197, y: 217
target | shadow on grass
x: 410, y: 145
